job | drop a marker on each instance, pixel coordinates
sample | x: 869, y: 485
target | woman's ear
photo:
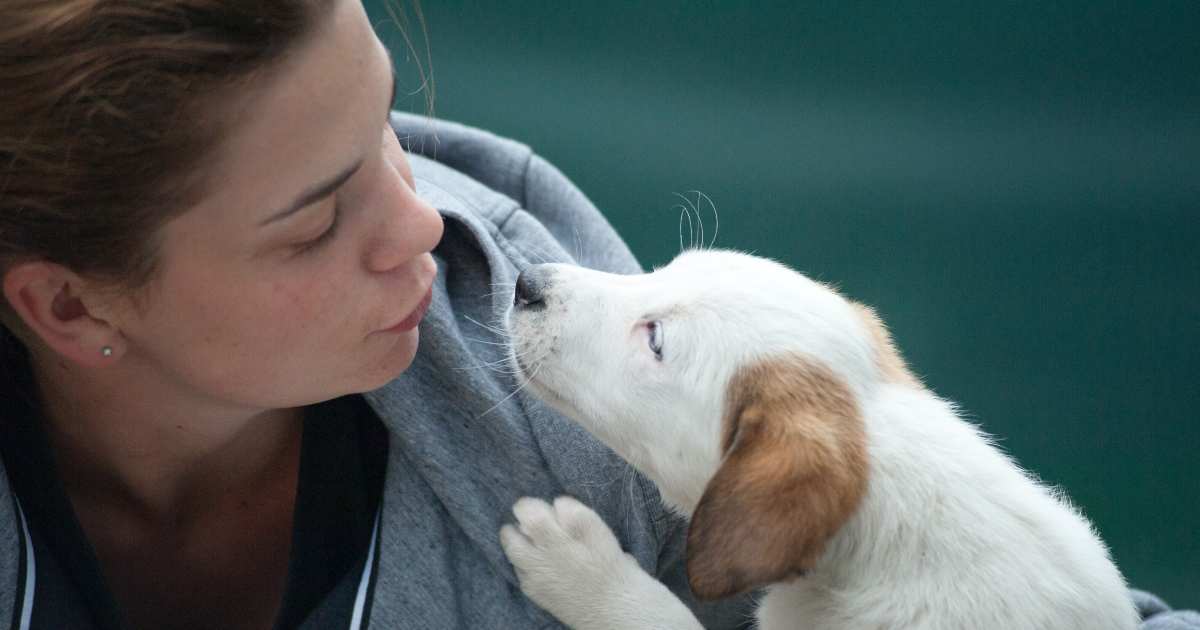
x: 49, y: 299
x: 794, y: 472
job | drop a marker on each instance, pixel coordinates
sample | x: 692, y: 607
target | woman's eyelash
x: 323, y: 237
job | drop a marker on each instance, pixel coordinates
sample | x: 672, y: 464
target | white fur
x: 569, y: 562
x: 951, y: 533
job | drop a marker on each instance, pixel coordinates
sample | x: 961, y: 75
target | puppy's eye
x: 655, y: 329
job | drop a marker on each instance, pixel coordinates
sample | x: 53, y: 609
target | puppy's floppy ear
x: 795, y: 469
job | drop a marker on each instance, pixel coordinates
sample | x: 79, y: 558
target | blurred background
x: 1015, y: 186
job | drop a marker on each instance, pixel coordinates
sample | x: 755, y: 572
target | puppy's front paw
x: 566, y: 558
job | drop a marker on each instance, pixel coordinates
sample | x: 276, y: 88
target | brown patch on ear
x: 891, y: 364
x: 795, y: 470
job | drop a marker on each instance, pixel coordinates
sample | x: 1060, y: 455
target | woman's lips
x: 414, y: 318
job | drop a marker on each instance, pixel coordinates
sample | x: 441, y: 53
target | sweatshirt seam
x: 653, y: 513
x: 491, y: 224
x: 523, y: 201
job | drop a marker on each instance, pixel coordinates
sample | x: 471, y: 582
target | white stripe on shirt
x: 30, y: 573
x: 360, y: 600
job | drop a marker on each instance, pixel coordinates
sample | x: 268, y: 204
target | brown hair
x: 108, y: 109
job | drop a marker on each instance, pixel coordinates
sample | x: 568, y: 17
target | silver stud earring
x: 106, y: 351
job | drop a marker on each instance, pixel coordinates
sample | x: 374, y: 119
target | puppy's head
x: 729, y: 380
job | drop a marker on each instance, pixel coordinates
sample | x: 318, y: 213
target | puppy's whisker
x: 680, y: 226
x: 496, y: 292
x: 506, y: 365
x: 483, y: 364
x: 697, y: 236
x: 499, y: 369
x: 504, y: 368
x: 716, y: 217
x: 499, y: 331
x: 512, y: 357
x: 502, y: 344
x: 685, y: 213
x: 528, y: 380
x: 691, y: 229
x: 500, y: 287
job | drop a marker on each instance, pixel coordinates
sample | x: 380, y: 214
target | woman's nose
x: 404, y: 234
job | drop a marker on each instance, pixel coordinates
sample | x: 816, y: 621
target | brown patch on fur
x: 795, y: 470
x: 891, y: 364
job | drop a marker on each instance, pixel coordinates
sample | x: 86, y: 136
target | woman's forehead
x: 303, y: 119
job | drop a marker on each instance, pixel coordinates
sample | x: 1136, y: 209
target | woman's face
x: 301, y: 274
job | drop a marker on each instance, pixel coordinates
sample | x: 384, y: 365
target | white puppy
x: 778, y: 417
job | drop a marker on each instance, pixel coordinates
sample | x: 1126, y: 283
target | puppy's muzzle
x: 532, y: 285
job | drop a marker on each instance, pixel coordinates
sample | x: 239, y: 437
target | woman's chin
x: 397, y: 358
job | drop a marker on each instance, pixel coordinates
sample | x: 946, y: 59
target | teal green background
x: 1015, y: 186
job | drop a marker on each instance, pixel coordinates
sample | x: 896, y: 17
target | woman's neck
x: 126, y: 438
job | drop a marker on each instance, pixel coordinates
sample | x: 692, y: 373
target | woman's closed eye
x: 326, y: 235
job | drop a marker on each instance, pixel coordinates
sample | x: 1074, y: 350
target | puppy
x: 780, y: 419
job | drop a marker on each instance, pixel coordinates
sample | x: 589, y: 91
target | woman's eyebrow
x: 322, y: 190
x: 317, y: 192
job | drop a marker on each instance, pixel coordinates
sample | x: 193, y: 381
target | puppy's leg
x: 570, y: 563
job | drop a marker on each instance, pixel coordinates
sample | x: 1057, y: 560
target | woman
x: 215, y: 256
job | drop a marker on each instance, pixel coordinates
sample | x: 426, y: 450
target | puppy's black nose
x: 531, y: 286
